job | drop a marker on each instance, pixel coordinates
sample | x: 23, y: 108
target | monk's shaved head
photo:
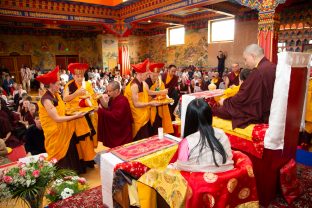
x: 255, y: 50
x: 115, y: 85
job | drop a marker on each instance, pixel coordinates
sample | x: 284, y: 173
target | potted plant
x: 28, y: 181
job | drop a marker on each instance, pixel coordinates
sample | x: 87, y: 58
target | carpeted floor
x: 93, y: 198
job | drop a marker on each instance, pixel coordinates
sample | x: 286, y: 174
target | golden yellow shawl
x: 140, y: 115
x: 57, y: 135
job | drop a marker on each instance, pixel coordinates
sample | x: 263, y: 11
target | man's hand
x: 221, y: 101
x: 164, y: 92
x: 81, y: 91
x: 154, y: 103
x: 105, y: 98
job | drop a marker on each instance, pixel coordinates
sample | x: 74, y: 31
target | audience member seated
x: 19, y: 102
x: 252, y: 103
x: 7, y: 84
x: 6, y: 129
x: 25, y: 107
x: 216, y: 79
x: 3, y: 153
x: 34, y: 137
x: 233, y: 77
x: 204, y: 148
x: 29, y: 116
x: 18, y: 94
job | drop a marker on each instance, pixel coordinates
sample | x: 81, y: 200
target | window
x: 175, y: 36
x: 221, y: 30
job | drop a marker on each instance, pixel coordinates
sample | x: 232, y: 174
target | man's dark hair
x: 171, y: 66
x: 244, y: 73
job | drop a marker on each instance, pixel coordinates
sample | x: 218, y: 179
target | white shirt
x: 65, y: 77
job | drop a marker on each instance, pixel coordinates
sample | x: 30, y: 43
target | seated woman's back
x: 204, y: 149
x: 203, y: 162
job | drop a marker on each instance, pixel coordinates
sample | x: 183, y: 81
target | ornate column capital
x: 261, y: 5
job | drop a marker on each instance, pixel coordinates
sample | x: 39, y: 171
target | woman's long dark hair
x: 199, y: 118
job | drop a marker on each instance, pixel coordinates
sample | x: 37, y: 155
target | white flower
x: 75, y: 178
x: 67, y: 192
x: 28, y: 182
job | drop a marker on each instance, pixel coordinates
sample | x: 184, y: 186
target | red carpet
x: 93, y: 198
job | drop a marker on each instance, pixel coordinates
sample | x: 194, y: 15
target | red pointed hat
x: 78, y: 68
x: 155, y: 67
x: 50, y: 77
x: 141, y: 67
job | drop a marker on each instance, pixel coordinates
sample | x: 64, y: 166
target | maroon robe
x: 233, y: 79
x: 115, y: 123
x: 172, y: 92
x: 252, y: 103
x: 28, y: 117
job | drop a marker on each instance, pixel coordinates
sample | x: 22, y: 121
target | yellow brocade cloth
x: 163, y: 112
x: 57, y: 135
x: 226, y: 126
x: 140, y: 115
x: 158, y: 159
x: 169, y: 183
x: 86, y: 146
x: 229, y: 92
x: 308, y: 118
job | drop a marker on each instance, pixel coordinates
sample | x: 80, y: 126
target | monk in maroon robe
x: 170, y: 79
x: 114, y: 118
x: 233, y: 77
x: 252, y: 103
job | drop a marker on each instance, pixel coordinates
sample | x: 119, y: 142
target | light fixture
x: 149, y: 21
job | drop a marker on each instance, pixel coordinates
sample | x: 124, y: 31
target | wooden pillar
x: 268, y: 27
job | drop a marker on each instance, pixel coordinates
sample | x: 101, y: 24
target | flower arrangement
x: 66, y: 187
x: 29, y: 180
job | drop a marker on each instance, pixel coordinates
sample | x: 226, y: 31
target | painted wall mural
x: 196, y: 50
x: 44, y: 48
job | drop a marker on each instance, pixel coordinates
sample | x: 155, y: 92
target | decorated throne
x: 271, y: 146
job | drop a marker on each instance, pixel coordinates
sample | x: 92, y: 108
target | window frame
x: 210, y: 30
x: 168, y: 35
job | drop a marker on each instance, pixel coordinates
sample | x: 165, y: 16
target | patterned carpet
x: 93, y: 198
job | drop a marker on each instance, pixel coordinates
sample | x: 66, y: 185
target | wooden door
x: 61, y: 61
x: 14, y: 64
x: 72, y: 59
x: 64, y: 60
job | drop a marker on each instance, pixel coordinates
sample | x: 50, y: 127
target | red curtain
x: 124, y: 60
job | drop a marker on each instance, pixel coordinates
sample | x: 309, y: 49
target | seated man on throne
x: 252, y: 103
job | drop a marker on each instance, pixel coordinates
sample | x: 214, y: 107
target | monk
x: 170, y: 80
x: 137, y: 92
x: 114, y: 117
x: 58, y: 129
x: 77, y: 94
x: 160, y: 116
x: 253, y: 101
x: 233, y: 77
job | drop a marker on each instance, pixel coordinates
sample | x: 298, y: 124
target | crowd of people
x: 126, y: 108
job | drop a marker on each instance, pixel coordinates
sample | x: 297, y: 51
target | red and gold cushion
x: 232, y: 188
